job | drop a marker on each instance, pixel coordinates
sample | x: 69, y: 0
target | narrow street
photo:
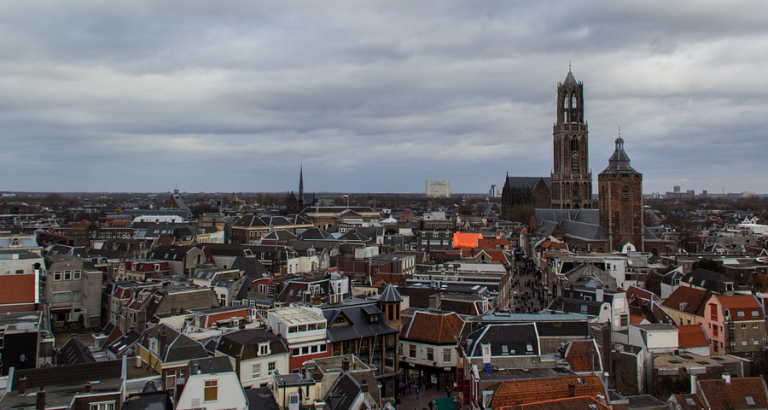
x: 529, y: 293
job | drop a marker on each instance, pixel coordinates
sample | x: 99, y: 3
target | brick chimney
x: 40, y: 399
x: 88, y: 387
x: 571, y: 390
x: 23, y: 385
x: 345, y: 364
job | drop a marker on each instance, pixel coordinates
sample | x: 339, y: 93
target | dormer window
x: 264, y: 349
x: 374, y: 318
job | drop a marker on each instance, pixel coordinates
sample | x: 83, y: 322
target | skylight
x: 750, y: 401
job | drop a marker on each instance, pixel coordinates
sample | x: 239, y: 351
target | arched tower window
x: 575, y: 155
x: 625, y: 193
x: 565, y: 102
x: 573, y: 100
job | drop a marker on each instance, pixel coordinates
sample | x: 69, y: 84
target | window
x: 61, y: 297
x: 67, y: 275
x: 105, y: 405
x: 446, y: 355
x: 296, y: 351
x: 750, y: 401
x: 271, y: 368
x: 430, y: 354
x: 211, y: 391
x: 170, y: 379
x: 263, y: 349
x: 755, y: 313
x: 57, y: 275
x: 412, y: 351
x: 743, y: 326
x: 755, y: 342
x: 754, y: 326
x: 323, y: 348
x: 76, y: 274
x: 256, y: 371
x: 743, y: 342
x: 76, y: 296
x: 740, y: 313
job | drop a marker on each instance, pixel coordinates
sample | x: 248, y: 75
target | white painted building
x: 212, y: 384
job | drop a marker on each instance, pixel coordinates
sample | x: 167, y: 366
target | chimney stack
x: 88, y: 387
x: 23, y: 385
x: 571, y: 390
x: 693, y: 384
x: 40, y: 399
x: 727, y: 378
x: 345, y: 364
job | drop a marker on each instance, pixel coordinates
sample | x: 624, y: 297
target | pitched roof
x: 741, y: 307
x: 437, y: 328
x: 72, y: 352
x: 691, y: 336
x: 734, y: 395
x: 570, y: 403
x: 583, y: 356
x: 691, y: 300
x: 505, y: 339
x: 516, y: 392
x: 390, y: 295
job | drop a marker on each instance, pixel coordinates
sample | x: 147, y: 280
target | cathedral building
x: 571, y: 177
x: 621, y: 201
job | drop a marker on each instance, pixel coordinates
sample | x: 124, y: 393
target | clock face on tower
x: 575, y: 154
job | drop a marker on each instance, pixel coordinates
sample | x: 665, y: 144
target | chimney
x: 345, y: 364
x: 88, y: 386
x: 727, y: 378
x: 22, y: 385
x: 241, y: 325
x: 693, y: 384
x: 571, y: 390
x: 40, y: 402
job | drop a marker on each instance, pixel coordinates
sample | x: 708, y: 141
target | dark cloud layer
x: 373, y: 96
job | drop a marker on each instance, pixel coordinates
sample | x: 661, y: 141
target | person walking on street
x: 417, y: 393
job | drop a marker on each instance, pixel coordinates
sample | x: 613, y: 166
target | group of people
x: 531, y: 293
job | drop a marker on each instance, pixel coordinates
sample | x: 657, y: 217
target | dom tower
x: 571, y: 177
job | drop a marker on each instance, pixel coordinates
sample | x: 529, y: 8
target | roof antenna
x: 619, y: 131
x: 569, y: 66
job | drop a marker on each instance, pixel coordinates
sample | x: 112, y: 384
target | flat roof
x: 296, y: 315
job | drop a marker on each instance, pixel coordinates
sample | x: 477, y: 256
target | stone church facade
x: 620, y: 189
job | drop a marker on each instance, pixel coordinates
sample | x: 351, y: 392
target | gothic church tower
x: 621, y: 201
x: 571, y: 177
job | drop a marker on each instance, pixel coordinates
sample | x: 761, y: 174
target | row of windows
x: 61, y: 297
x: 256, y: 370
x: 67, y: 275
x: 301, y: 351
x: 431, y: 354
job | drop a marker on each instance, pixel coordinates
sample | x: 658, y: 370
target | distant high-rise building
x: 571, y: 186
x: 438, y: 189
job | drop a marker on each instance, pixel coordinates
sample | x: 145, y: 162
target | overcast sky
x: 223, y: 96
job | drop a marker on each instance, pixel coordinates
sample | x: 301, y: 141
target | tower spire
x: 301, y: 185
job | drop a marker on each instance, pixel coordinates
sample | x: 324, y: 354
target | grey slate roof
x: 505, y: 339
x: 526, y: 182
x: 72, y: 352
x: 343, y: 392
x: 245, y: 343
x: 619, y: 161
x: 360, y: 327
x: 390, y: 295
x: 591, y: 216
x: 212, y: 365
x: 261, y: 399
x: 125, y: 341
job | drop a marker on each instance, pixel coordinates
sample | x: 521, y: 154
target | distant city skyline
x: 374, y: 97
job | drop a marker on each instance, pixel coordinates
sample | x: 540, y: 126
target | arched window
x: 575, y: 155
x: 565, y: 102
x: 573, y: 100
x: 625, y: 193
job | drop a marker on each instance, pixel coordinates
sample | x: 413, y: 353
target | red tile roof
x: 432, y: 327
x: 691, y: 336
x: 741, y: 307
x: 517, y: 392
x: 583, y: 356
x: 694, y: 299
x: 720, y: 395
x: 570, y: 403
